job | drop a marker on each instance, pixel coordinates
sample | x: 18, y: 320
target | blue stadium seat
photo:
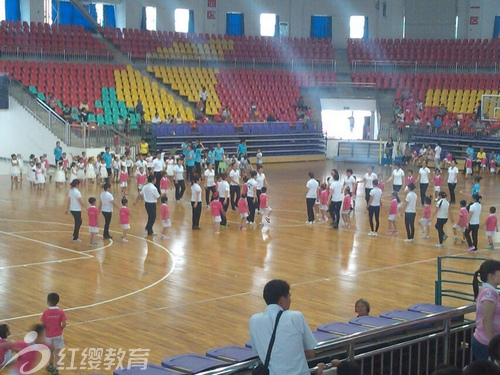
x: 402, y: 315
x: 323, y: 336
x: 150, y: 370
x: 342, y: 329
x: 248, y: 344
x: 192, y: 363
x: 429, y: 308
x: 372, y: 321
x: 232, y: 353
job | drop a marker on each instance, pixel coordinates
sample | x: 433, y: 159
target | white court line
x: 172, y: 268
x: 42, y: 263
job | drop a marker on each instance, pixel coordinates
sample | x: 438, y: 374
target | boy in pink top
x: 265, y: 210
x: 217, y: 211
x: 93, y: 213
x: 437, y: 183
x: 5, y: 353
x: 125, y: 218
x: 461, y: 224
x: 164, y: 182
x: 165, y: 217
x: 54, y: 320
x: 491, y: 227
x: 27, y: 359
x: 123, y: 179
x: 141, y: 178
x: 425, y: 221
x: 243, y: 210
x: 393, y: 213
x: 346, y: 207
x: 468, y: 167
x: 410, y: 178
x: 324, y: 194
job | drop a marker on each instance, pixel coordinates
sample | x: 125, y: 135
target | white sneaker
x: 371, y: 234
x: 375, y: 234
x: 426, y: 237
x: 409, y: 240
x: 439, y: 245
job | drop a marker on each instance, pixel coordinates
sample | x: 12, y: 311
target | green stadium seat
x: 33, y: 90
x: 98, y: 104
x: 41, y: 96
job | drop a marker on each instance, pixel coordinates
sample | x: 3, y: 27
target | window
x: 2, y: 10
x: 99, y: 8
x: 268, y: 24
x: 321, y: 26
x: 181, y: 20
x: 235, y: 23
x: 456, y: 27
x: 404, y: 27
x: 357, y: 27
x: 151, y: 18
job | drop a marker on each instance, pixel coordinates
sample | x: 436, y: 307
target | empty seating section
x: 459, y: 92
x: 188, y: 82
x: 426, y: 50
x: 179, y: 46
x: 131, y: 85
x: 52, y: 39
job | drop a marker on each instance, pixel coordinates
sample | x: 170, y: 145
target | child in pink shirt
x: 141, y: 179
x: 437, y: 183
x: 54, y: 320
x: 217, y: 211
x: 468, y: 167
x: 164, y: 182
x: 410, y: 178
x: 123, y: 179
x: 493, y: 166
x: 265, y: 209
x: 393, y: 213
x: 346, y: 207
x: 243, y: 210
x: 93, y: 213
x: 323, y: 201
x: 165, y: 217
x: 425, y: 221
x: 5, y: 353
x: 125, y: 218
x: 461, y: 224
x: 491, y: 227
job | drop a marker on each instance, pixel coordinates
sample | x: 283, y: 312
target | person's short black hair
x: 38, y: 328
x: 364, y: 302
x: 274, y: 290
x: 151, y: 178
x: 348, y: 368
x: 164, y: 199
x: 482, y: 367
x: 124, y: 201
x: 411, y: 186
x: 4, y: 329
x: 53, y: 299
x: 493, y: 209
x: 253, y: 173
x: 106, y: 186
x: 264, y: 189
x: 92, y: 200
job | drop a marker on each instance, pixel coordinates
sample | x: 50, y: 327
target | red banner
x: 212, y: 3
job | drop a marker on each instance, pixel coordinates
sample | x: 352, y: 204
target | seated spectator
x: 84, y: 105
x: 139, y: 108
x: 442, y: 111
x: 83, y: 116
x: 438, y: 122
x: 254, y: 113
x: 417, y: 120
x: 178, y: 118
x: 419, y: 105
x: 120, y: 125
x: 51, y: 100
x: 271, y: 118
x: 226, y: 115
x: 478, y: 111
x: 203, y: 98
x: 67, y: 114
x: 407, y: 154
x: 156, y: 119
x: 169, y: 119
x: 482, y: 367
x: 362, y: 307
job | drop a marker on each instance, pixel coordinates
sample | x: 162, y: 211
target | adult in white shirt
x: 158, y: 167
x: 437, y: 155
x: 106, y: 207
x: 180, y: 184
x: 423, y: 177
x: 74, y: 206
x: 397, y: 177
x: 442, y: 212
x: 140, y: 163
x: 196, y: 202
x: 294, y: 343
x: 252, y: 197
x: 150, y: 195
x: 474, y: 214
x: 223, y: 190
x: 234, y: 185
x: 374, y: 208
x: 452, y: 179
x: 410, y: 210
x: 350, y: 182
x: 156, y: 119
x: 209, y: 182
x: 335, y: 199
x: 368, y: 180
x: 312, y: 186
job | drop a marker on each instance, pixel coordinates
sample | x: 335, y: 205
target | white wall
x: 22, y: 134
x: 430, y: 18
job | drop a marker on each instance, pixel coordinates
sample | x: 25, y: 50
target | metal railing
x: 251, y: 63
x: 51, y: 53
x: 424, y: 66
x: 402, y: 348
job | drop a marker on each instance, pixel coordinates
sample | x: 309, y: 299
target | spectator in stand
x: 120, y: 124
x: 83, y: 116
x: 300, y: 103
x: 442, y: 111
x: 447, y: 370
x: 362, y: 307
x: 156, y: 119
x: 203, y: 98
x: 254, y: 112
x: 84, y: 105
x: 169, y: 119
x: 271, y: 118
x: 478, y: 111
x: 419, y: 105
x: 67, y: 114
x: 139, y: 108
x: 438, y: 123
x: 479, y: 158
x: 51, y: 100
x: 389, y: 147
x: 178, y: 118
x: 226, y: 115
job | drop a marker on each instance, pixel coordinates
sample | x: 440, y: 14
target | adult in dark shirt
x: 139, y: 108
x: 271, y: 118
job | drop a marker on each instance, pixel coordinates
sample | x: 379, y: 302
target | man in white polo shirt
x: 150, y: 195
x: 234, y: 188
x: 294, y: 342
x: 158, y: 167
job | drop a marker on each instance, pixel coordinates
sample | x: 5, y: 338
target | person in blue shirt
x: 242, y: 148
x: 218, y: 156
x: 107, y: 157
x: 184, y: 148
x: 470, y: 151
x: 58, y: 152
x: 476, y: 189
x: 190, y: 160
x: 197, y: 159
x: 210, y: 156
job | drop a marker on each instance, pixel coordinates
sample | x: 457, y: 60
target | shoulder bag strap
x: 271, y: 342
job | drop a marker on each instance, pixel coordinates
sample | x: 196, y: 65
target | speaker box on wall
x: 4, y: 91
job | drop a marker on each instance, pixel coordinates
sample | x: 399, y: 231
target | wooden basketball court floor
x: 197, y: 290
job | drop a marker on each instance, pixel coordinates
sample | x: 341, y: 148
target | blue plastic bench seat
x: 402, y: 315
x: 150, y: 370
x: 232, y: 353
x: 192, y: 363
x: 342, y: 329
x: 429, y: 308
x: 323, y: 336
x: 248, y: 344
x: 372, y: 321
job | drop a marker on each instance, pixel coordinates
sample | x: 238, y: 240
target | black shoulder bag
x: 263, y: 369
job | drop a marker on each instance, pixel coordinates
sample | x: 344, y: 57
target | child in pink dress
x: 123, y: 179
x: 323, y: 201
x: 165, y: 217
x: 491, y: 227
x: 468, y: 167
x: 346, y: 207
x: 425, y: 221
x: 141, y: 178
x: 125, y: 218
x: 493, y: 166
x: 410, y: 178
x: 243, y: 210
x: 265, y: 209
x: 437, y: 183
x: 164, y: 182
x: 461, y: 224
x: 393, y: 213
x: 93, y: 213
x: 217, y: 211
